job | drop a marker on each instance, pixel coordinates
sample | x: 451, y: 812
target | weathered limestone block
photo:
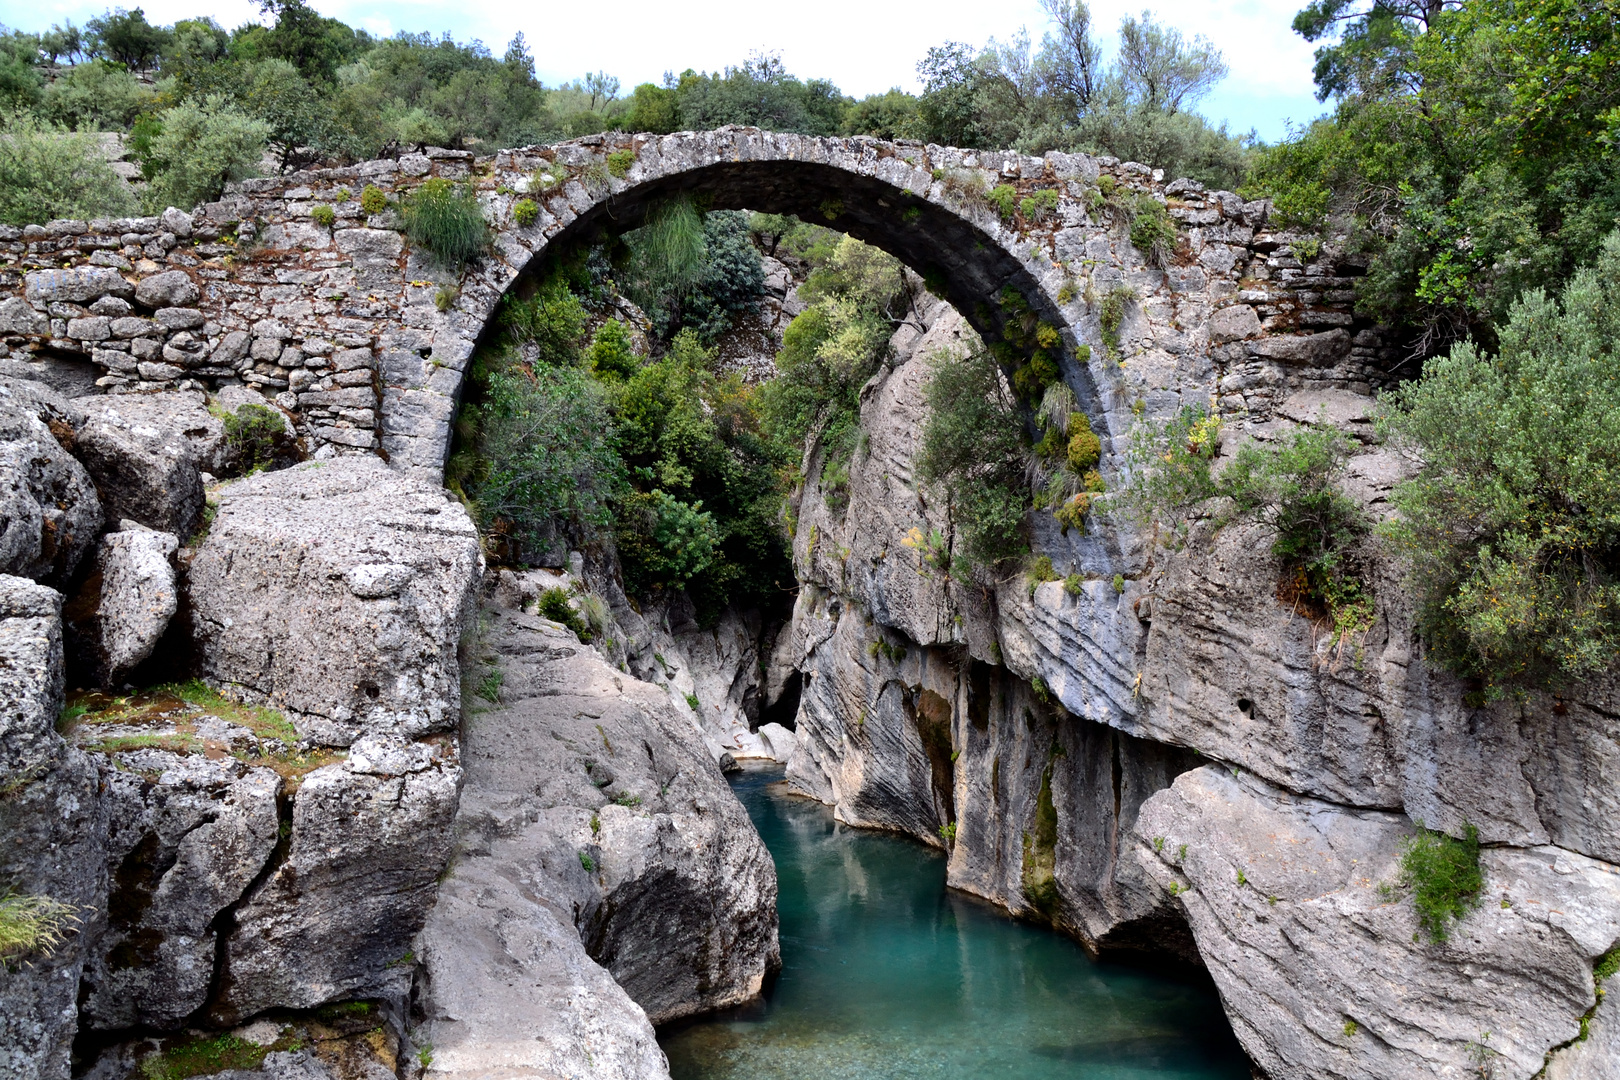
x: 337, y: 915
x: 76, y: 286
x: 172, y: 288
x: 181, y: 849
x: 336, y: 591
x: 141, y: 457
x: 126, y: 604
x: 49, y: 511
x: 1321, y: 976
x: 53, y: 827
x: 595, y: 829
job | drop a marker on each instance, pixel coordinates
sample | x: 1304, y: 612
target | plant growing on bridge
x: 1003, y: 198
x: 445, y: 220
x: 525, y: 212
x: 1039, y: 206
x: 373, y: 201
x: 1153, y: 233
x: 1511, y: 528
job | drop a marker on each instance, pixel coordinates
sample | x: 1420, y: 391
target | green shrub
x: 373, y: 201
x: 197, y: 148
x: 96, y: 96
x: 1003, y: 199
x: 1444, y: 877
x: 610, y: 354
x: 1291, y: 488
x: 1509, y: 529
x: 1111, y: 315
x: 1153, y: 233
x: 543, y: 457
x: 324, y: 216
x: 1085, y: 448
x: 555, y: 605
x: 32, y: 924
x: 47, y: 173
x: 692, y: 700
x: 525, y: 212
x: 664, y: 542
x: 550, y: 323
x: 445, y: 221
x: 1039, y: 206
x: 202, y: 1055
x: 259, y: 436
x: 1074, y: 584
x: 973, y: 443
x: 619, y: 162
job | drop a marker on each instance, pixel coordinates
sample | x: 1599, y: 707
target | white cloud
x: 862, y: 46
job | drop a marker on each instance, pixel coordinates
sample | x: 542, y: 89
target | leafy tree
x: 97, y: 96
x: 973, y: 443
x: 761, y: 93
x: 47, y: 173
x: 315, y: 45
x: 1161, y: 69
x: 125, y: 37
x: 197, y: 148
x: 62, y: 42
x: 885, y: 116
x: 653, y: 108
x: 1472, y: 148
x: 1511, y: 528
x: 295, y: 113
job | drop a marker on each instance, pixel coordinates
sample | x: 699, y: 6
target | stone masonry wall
x: 363, y: 343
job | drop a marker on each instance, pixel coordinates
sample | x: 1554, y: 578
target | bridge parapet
x: 364, y: 345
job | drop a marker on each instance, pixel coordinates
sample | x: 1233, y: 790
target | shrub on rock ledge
x: 446, y: 221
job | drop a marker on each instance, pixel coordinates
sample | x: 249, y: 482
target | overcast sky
x: 864, y: 46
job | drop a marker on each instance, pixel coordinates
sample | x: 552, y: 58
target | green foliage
x: 555, y: 605
x: 372, y: 200
x: 258, y: 434
x: 610, y: 354
x: 1290, y: 487
x: 525, y: 212
x: 542, y: 457
x: 1510, y: 527
x: 1606, y: 965
x: 202, y: 1055
x: 97, y: 96
x: 692, y: 701
x: 196, y: 149
x: 445, y: 221
x: 947, y: 833
x: 619, y: 162
x: 589, y: 865
x: 1111, y: 316
x: 1039, y: 206
x: 324, y: 216
x: 32, y: 925
x: 127, y: 38
x: 1444, y: 877
x: 1472, y: 149
x: 1003, y: 199
x: 759, y: 93
x: 47, y: 173
x: 1153, y: 233
x: 664, y: 542
x: 692, y: 270
x: 973, y: 443
x: 548, y: 326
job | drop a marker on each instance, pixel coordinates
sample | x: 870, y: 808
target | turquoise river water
x: 887, y: 975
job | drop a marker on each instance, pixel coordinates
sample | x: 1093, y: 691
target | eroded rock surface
x: 337, y: 591
x: 596, y: 824
x: 125, y: 606
x: 1323, y: 976
x: 49, y: 510
x: 143, y: 462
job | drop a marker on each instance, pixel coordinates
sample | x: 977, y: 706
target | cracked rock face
x: 181, y: 850
x: 335, y: 591
x: 124, y: 608
x: 144, y: 465
x: 1323, y: 977
x: 335, y: 918
x: 604, y: 862
x: 49, y: 510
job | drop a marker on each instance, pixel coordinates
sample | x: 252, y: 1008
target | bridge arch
x: 903, y: 198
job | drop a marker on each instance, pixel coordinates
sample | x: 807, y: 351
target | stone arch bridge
x: 346, y: 328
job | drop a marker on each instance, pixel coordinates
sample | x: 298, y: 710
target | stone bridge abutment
x: 364, y: 344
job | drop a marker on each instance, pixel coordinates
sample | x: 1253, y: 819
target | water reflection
x: 888, y: 975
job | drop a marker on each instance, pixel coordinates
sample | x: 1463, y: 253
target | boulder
x: 1323, y: 973
x: 187, y: 834
x: 335, y: 919
x: 54, y: 827
x: 75, y: 286
x: 336, y: 592
x: 595, y: 833
x: 49, y: 510
x: 124, y: 607
x: 779, y: 741
x: 140, y: 450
